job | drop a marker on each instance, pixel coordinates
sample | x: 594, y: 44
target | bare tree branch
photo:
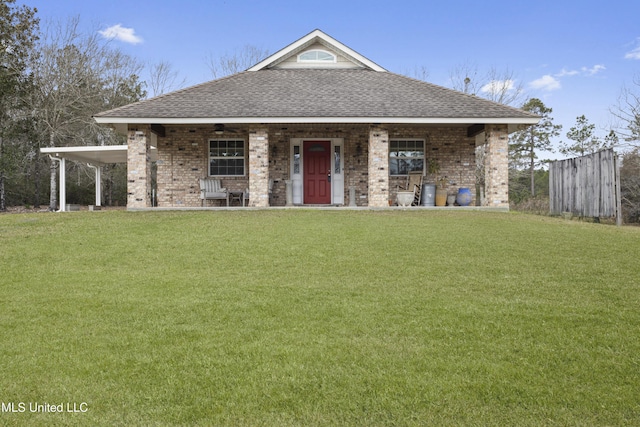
x: 163, y: 78
x: 627, y: 113
x: 235, y: 62
x: 499, y: 86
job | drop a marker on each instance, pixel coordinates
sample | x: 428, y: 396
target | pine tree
x: 526, y: 143
x: 583, y: 137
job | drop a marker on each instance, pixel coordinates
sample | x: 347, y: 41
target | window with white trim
x: 226, y: 157
x: 317, y: 55
x: 406, y: 155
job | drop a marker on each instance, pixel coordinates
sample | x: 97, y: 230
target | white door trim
x: 296, y: 169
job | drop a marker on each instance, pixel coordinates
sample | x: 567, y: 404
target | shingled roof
x: 358, y: 92
x: 316, y: 94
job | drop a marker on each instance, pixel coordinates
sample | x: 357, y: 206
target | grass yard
x: 318, y: 318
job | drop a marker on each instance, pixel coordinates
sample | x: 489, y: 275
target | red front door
x: 317, y: 167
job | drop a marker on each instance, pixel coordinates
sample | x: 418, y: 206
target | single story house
x: 316, y: 123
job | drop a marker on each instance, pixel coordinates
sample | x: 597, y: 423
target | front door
x: 317, y: 172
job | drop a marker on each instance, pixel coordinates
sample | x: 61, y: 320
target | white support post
x: 98, y: 170
x: 62, y: 182
x: 98, y: 186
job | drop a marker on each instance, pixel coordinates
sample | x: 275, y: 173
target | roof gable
x: 314, y: 40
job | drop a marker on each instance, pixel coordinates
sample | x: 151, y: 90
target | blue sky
x: 575, y: 58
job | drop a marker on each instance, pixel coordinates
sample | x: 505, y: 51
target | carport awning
x: 95, y: 155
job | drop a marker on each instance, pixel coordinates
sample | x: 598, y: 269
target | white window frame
x: 244, y: 155
x: 333, y: 59
x: 397, y: 140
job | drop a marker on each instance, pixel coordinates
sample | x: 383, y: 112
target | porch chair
x: 414, y: 183
x: 211, y: 188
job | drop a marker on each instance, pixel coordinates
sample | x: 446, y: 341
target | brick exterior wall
x: 181, y: 163
x: 138, y: 168
x: 259, y: 167
x: 497, y: 166
x: 378, y: 166
x: 454, y: 151
x: 183, y: 159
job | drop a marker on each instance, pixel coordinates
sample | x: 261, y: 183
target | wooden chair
x: 211, y: 189
x: 414, y: 183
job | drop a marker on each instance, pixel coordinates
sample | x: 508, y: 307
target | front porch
x: 262, y: 160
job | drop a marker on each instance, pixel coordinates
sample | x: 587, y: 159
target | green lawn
x: 301, y: 317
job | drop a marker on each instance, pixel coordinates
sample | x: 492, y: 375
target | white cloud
x: 498, y: 86
x: 121, y: 33
x: 594, y: 70
x: 546, y: 82
x: 550, y: 82
x: 583, y: 70
x: 565, y: 72
x: 635, y: 53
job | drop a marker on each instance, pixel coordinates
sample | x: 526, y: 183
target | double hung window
x: 226, y: 157
x: 406, y: 155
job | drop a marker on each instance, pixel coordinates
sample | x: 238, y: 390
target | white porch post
x: 63, y: 184
x: 378, y: 167
x: 98, y: 170
x: 259, y: 167
x: 98, y: 186
x: 496, y: 166
x: 138, y: 169
x: 62, y: 178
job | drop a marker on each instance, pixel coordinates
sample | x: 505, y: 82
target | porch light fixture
x: 218, y: 129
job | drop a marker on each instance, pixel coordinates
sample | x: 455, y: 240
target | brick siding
x: 138, y: 168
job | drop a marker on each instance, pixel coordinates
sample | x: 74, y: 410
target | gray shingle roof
x: 317, y: 93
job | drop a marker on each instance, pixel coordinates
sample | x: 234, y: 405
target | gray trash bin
x: 428, y: 195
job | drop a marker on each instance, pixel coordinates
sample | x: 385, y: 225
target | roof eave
x: 266, y: 120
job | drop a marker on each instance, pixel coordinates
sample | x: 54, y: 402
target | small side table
x: 235, y: 195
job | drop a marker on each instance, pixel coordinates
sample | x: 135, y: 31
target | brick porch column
x: 259, y: 167
x: 138, y: 169
x: 378, y: 157
x: 496, y: 166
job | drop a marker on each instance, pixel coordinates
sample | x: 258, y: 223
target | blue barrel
x: 464, y: 196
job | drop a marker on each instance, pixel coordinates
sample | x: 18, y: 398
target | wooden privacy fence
x: 587, y: 186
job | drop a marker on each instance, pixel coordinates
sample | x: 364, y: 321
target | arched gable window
x: 317, y: 55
